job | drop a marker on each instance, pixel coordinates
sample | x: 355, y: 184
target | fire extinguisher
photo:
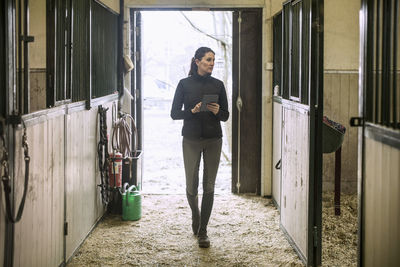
x: 115, y: 169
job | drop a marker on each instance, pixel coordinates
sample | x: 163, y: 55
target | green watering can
x: 131, y: 203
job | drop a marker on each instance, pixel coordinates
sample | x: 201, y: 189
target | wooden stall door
x: 302, y: 106
x: 276, y: 156
x: 246, y: 124
x: 295, y: 196
x: 379, y: 136
x: 136, y: 75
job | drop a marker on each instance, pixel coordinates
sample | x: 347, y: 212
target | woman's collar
x: 205, y: 76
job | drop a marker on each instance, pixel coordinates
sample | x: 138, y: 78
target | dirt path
x: 244, y: 231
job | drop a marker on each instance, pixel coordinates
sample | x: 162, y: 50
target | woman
x: 202, y: 134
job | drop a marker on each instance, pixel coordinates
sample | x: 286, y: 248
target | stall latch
x: 14, y: 120
x: 356, y: 121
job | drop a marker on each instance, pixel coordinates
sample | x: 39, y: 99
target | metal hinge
x: 51, y: 82
x: 2, y: 128
x: 317, y: 25
x: 137, y: 55
x: 315, y: 234
x: 356, y: 121
x: 65, y: 228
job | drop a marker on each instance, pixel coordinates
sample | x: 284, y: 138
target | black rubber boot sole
x: 204, y: 242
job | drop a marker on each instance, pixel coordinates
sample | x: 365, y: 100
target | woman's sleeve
x: 176, y: 111
x: 223, y: 113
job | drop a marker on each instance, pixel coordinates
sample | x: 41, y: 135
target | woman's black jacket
x: 188, y: 93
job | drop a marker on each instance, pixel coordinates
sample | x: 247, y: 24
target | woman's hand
x: 196, y: 108
x: 213, y: 107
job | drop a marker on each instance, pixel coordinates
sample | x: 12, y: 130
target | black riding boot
x: 194, y: 206
x: 206, y: 207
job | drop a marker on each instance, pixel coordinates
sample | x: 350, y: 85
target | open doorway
x: 167, y: 49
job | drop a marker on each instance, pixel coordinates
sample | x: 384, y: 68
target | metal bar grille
x: 68, y: 60
x: 2, y: 64
x: 384, y: 94
x: 80, y: 49
x: 395, y: 72
x: 286, y: 51
x: 60, y: 51
x: 295, y: 52
x: 26, y: 99
x: 105, y: 51
x: 277, y: 74
x: 385, y: 63
x: 305, y: 52
x: 378, y: 69
x: 296, y: 27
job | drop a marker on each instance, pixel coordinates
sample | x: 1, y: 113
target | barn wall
x: 381, y: 201
x: 341, y: 34
x: 341, y: 61
x: 113, y: 4
x: 37, y: 55
x: 267, y: 106
x: 37, y: 89
x: 37, y: 28
x: 340, y: 104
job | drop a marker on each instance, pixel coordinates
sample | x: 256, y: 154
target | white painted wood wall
x: 340, y: 104
x: 277, y: 140
x: 381, y: 205
x: 63, y: 181
x: 39, y: 235
x: 295, y: 175
x: 84, y: 206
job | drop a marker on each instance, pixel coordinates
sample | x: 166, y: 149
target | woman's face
x: 206, y: 64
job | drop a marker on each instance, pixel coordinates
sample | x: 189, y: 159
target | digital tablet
x: 207, y: 99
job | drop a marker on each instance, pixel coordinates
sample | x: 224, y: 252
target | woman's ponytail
x: 193, y: 67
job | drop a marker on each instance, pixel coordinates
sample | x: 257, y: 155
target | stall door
x: 136, y: 75
x: 246, y: 98
x: 277, y: 111
x: 302, y: 94
x: 379, y: 213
